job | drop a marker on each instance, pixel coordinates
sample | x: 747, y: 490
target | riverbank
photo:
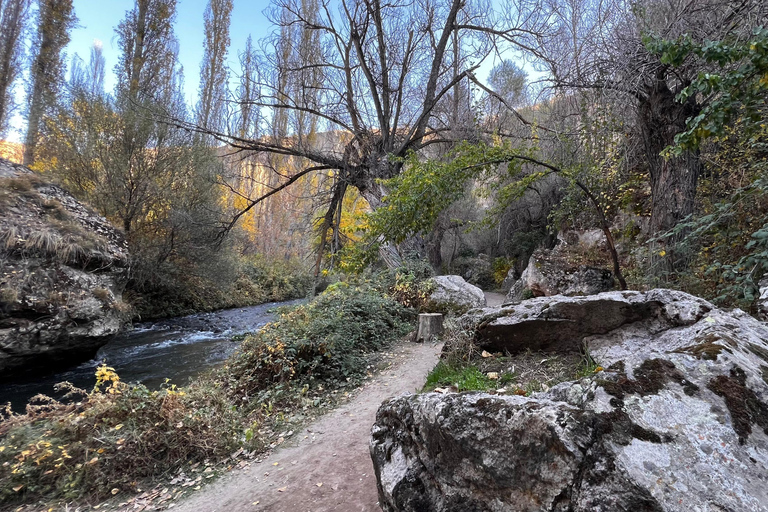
x: 116, y: 438
x: 150, y: 353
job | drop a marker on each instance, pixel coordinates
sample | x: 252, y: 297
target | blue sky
x: 98, y: 19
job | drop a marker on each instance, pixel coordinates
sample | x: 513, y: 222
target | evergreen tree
x: 55, y: 19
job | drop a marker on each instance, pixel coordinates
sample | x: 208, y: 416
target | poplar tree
x: 55, y: 19
x: 147, y: 84
x: 247, y: 116
x: 13, y: 17
x: 211, y: 108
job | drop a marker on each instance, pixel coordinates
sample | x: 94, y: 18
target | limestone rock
x: 677, y: 422
x: 62, y: 272
x: 510, y: 280
x: 550, y: 273
x: 762, y: 302
x: 560, y: 323
x: 454, y: 294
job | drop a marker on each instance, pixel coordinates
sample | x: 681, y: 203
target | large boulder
x: 677, y: 421
x: 559, y: 324
x: 62, y: 272
x: 551, y: 272
x: 452, y: 294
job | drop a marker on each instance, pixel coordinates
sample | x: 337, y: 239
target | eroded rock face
x: 561, y: 323
x: 677, y: 421
x: 550, y: 273
x: 454, y: 294
x: 62, y: 272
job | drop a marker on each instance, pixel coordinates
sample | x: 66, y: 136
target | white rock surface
x: 677, y: 422
x: 454, y: 294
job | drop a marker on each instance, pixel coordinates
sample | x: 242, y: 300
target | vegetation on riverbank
x: 225, y: 282
x: 112, y: 438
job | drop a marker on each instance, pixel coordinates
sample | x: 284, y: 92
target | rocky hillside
x: 62, y: 272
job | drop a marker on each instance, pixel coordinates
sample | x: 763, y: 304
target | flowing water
x: 175, y: 348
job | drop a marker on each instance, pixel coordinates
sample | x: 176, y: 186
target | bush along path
x: 329, y: 467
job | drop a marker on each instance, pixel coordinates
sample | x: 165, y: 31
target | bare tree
x: 55, y: 19
x: 371, y: 76
x: 13, y: 17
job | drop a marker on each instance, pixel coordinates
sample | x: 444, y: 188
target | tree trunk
x: 673, y: 180
x: 434, y: 248
x: 33, y: 122
x: 373, y: 192
x: 430, y: 327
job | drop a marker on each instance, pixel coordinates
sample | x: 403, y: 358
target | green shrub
x: 181, y: 287
x: 501, y: 267
x: 325, y: 340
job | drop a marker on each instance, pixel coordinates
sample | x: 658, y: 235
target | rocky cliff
x: 675, y: 420
x: 62, y: 272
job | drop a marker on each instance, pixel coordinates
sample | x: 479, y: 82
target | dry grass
x: 8, y: 295
x: 111, y: 438
x: 103, y: 294
x: 68, y: 242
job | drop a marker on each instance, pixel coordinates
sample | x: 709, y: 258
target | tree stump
x: 430, y: 327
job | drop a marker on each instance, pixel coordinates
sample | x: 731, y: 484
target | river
x: 174, y: 348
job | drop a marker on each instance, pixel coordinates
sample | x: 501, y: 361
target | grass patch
x: 466, y: 378
x: 466, y: 367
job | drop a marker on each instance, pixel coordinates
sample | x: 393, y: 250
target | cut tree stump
x: 430, y: 327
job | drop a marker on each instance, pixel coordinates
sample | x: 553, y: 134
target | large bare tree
x: 368, y: 78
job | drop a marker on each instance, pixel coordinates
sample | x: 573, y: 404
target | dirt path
x: 494, y: 299
x: 333, y: 452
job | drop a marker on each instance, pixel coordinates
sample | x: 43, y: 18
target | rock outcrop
x: 62, y: 272
x: 476, y: 270
x: 452, y: 294
x: 677, y: 420
x: 762, y: 302
x: 549, y: 272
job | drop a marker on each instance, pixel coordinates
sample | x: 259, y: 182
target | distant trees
x: 55, y: 19
x: 13, y: 17
x: 211, y: 106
